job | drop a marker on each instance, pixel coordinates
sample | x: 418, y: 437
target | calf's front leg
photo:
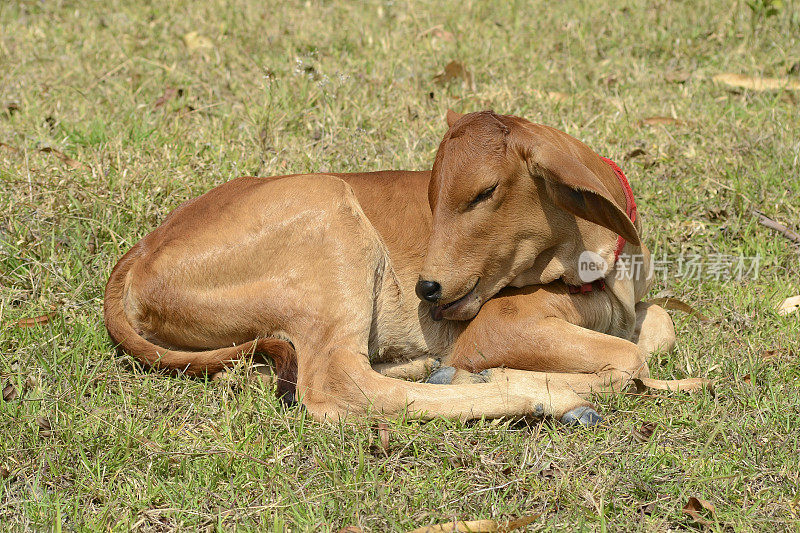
x: 556, y: 350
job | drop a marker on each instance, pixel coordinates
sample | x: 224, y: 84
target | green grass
x: 310, y: 86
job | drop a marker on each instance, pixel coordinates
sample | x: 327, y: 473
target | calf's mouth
x: 438, y: 312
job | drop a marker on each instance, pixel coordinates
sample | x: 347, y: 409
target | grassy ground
x: 88, y: 441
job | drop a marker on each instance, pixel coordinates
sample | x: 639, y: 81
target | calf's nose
x: 429, y: 290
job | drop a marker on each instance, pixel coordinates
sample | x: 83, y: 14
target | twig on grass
x: 764, y: 220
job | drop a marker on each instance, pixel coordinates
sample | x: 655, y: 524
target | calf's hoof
x: 442, y: 376
x: 447, y: 375
x: 581, y: 416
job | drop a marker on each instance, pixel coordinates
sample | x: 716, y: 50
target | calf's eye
x: 483, y: 195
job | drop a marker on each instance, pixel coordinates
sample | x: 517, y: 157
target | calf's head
x: 514, y: 203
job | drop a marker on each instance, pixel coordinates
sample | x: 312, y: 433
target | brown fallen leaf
x: 454, y: 70
x: 351, y: 529
x: 383, y: 434
x: 4, y: 472
x: 678, y: 305
x: 662, y: 121
x: 644, y: 433
x: 478, y: 526
x: 169, y: 94
x: 756, y: 83
x: 195, y: 41
x: 550, y: 473
x: 674, y: 385
x: 768, y: 355
x: 9, y: 147
x: 35, y: 321
x: 789, y: 306
x: 10, y: 392
x: 522, y: 521
x: 695, y: 506
x: 64, y: 158
x: 11, y: 108
x: 647, y: 508
x: 636, y: 152
x: 747, y: 379
x: 45, y: 427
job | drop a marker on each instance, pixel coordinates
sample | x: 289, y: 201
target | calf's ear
x: 576, y: 189
x: 452, y: 117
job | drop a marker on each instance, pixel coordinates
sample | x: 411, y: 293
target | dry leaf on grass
x: 552, y: 472
x: 351, y: 529
x: 644, y: 433
x: 695, y: 506
x: 11, y: 108
x: 636, y: 152
x: 478, y: 526
x: 678, y: 305
x: 756, y: 83
x: 383, y: 434
x: 195, y: 41
x: 454, y: 70
x: 662, y: 121
x: 10, y: 392
x: 45, y: 427
x: 789, y: 306
x: 647, y: 508
x: 747, y: 379
x: 673, y: 385
x: 169, y: 94
x: 4, y: 472
x: 64, y: 158
x: 35, y: 321
x: 769, y: 355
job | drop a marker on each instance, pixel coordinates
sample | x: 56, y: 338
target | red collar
x: 630, y: 209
